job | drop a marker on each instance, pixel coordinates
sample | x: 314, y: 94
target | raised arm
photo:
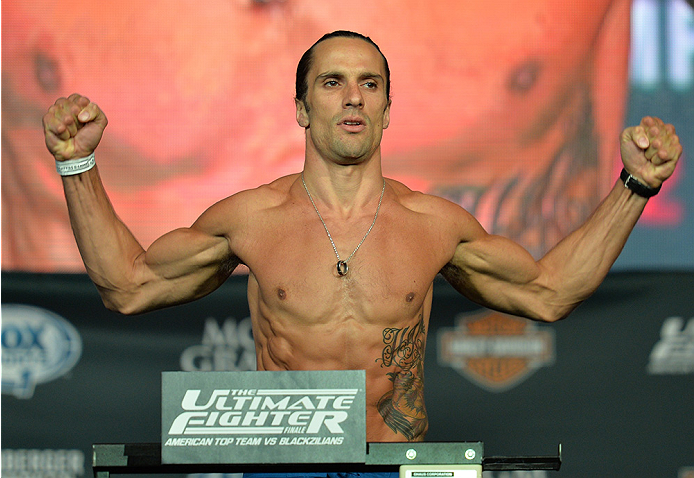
x: 501, y: 275
x: 180, y: 266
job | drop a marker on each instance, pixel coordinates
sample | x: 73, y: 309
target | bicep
x: 183, y: 265
x: 185, y: 252
x: 495, y: 272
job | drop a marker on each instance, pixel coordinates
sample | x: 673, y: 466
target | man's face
x: 346, y: 106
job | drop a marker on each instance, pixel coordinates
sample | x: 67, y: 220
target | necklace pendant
x: 342, y: 268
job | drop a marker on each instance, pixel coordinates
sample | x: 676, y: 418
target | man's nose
x: 353, y: 97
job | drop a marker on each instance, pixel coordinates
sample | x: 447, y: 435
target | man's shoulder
x: 419, y: 202
x: 447, y: 223
x: 238, y: 209
x: 268, y: 195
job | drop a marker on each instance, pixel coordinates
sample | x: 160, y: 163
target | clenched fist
x: 650, y: 151
x: 73, y: 127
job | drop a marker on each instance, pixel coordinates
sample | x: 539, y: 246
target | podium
x: 286, y: 422
x: 145, y: 458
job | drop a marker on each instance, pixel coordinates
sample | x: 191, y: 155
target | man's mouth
x: 351, y: 121
x: 352, y: 125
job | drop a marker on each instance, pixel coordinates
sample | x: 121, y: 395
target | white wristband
x: 75, y: 166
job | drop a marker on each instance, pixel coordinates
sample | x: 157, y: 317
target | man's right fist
x: 73, y: 127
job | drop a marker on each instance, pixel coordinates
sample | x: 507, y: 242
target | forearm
x: 108, y: 249
x: 500, y: 274
x: 575, y: 268
x: 73, y: 128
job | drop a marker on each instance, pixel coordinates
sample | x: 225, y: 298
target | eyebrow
x: 363, y: 76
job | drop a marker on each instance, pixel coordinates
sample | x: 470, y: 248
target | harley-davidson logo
x: 494, y: 350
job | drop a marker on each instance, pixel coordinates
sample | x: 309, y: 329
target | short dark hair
x: 307, y: 59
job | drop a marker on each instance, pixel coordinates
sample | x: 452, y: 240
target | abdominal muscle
x: 392, y: 356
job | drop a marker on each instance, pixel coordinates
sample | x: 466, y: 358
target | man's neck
x: 344, y: 188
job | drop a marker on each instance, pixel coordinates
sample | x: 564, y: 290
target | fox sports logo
x: 38, y: 346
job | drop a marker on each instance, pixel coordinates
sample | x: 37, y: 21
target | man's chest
x: 387, y: 278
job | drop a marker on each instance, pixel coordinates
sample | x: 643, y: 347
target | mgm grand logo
x: 263, y: 412
x: 494, y: 350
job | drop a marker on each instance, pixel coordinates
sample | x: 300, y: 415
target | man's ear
x: 301, y: 113
x: 386, y: 115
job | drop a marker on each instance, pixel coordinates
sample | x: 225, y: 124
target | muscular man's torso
x: 306, y: 317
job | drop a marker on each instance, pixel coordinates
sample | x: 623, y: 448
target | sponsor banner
x: 441, y: 471
x: 495, y: 351
x: 589, y: 396
x: 42, y: 464
x: 226, y: 348
x: 264, y: 417
x: 673, y: 354
x: 38, y: 346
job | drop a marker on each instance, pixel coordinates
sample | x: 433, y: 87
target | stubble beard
x: 350, y: 154
x: 354, y: 148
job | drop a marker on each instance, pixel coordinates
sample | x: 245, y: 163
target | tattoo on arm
x: 403, y: 408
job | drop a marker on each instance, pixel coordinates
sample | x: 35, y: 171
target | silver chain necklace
x: 342, y: 267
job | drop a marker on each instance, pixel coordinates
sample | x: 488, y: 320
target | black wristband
x: 630, y: 182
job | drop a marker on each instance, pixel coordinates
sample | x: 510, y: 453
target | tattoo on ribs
x: 402, y: 408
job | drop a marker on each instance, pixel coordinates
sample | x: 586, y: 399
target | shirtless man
x: 360, y: 296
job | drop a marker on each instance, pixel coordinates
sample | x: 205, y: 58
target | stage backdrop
x: 613, y: 382
x: 511, y: 109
